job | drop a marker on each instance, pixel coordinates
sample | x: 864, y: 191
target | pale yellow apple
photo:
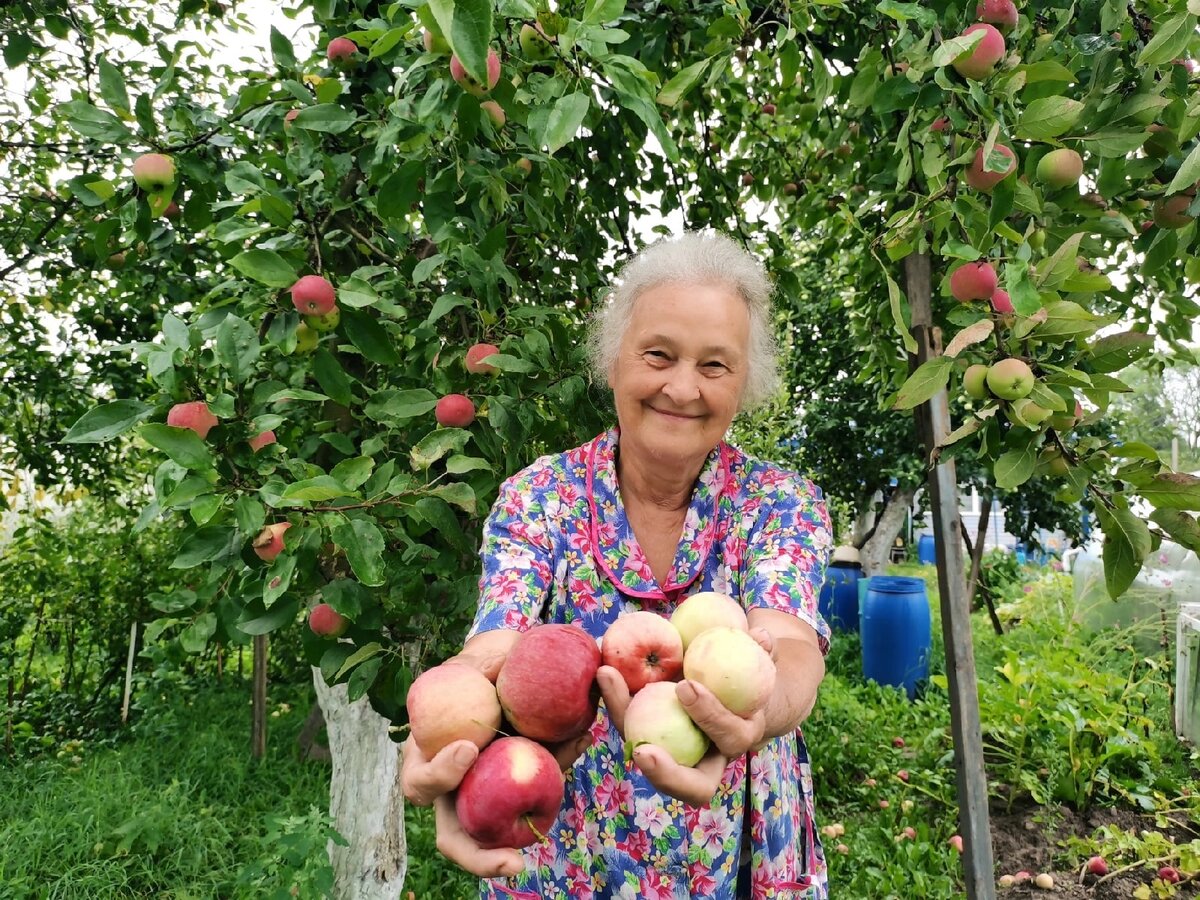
x: 706, y: 610
x: 731, y: 664
x: 655, y: 716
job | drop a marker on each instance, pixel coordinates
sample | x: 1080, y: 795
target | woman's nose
x: 682, y: 385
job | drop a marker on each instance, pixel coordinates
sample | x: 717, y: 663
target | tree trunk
x: 365, y: 798
x: 876, y: 553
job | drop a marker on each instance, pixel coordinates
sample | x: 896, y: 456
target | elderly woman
x: 641, y: 517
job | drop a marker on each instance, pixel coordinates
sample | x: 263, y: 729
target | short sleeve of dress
x: 516, y: 553
x: 788, y: 551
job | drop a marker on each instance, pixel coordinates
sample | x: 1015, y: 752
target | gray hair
x: 691, y: 258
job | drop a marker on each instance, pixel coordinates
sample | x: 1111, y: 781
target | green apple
x: 1010, y: 379
x: 975, y: 382
x: 327, y: 322
x: 306, y: 339
x: 656, y: 716
x: 534, y: 44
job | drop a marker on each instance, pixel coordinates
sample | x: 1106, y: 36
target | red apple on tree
x: 326, y: 621
x: 452, y: 702
x: 1171, y: 213
x: 476, y: 353
x: 154, y: 172
x: 269, y: 543
x: 547, y: 683
x: 973, y: 281
x: 1002, y: 303
x: 313, y: 295
x: 656, y: 716
x: 983, y: 179
x: 1060, y: 168
x: 707, y: 609
x: 495, y: 112
x: 172, y: 211
x: 1001, y: 13
x: 644, y: 647
x: 262, y: 439
x: 340, y: 52
x: 511, y: 796
x: 978, y: 64
x: 455, y: 411
x: 469, y: 84
x: 194, y: 416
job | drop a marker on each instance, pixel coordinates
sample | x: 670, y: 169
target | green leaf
x: 323, y: 487
x: 564, y: 121
x: 369, y: 336
x: 896, y: 303
x: 396, y: 407
x: 361, y: 680
x: 363, y: 543
x: 1126, y: 543
x: 682, y: 82
x: 904, y: 12
x: 950, y: 50
x: 444, y: 304
x: 467, y: 26
x: 459, y: 494
x: 279, y: 578
x: 325, y: 117
x: 1188, y: 174
x: 1116, y: 142
x: 1047, y: 70
x: 929, y: 378
x: 103, y: 423
x: 1048, y: 117
x: 1169, y: 41
x: 256, y: 621
x: 385, y: 43
x: 1053, y: 271
x: 194, y: 638
x: 112, y: 86
x: 1182, y: 528
x: 1015, y: 466
x: 1172, y: 490
x: 332, y: 377
x: 181, y: 444
x: 400, y: 191
x: 460, y: 465
x: 206, y: 544
x: 1066, y: 321
x: 266, y: 267
x: 1114, y: 352
x: 437, y: 444
x: 98, y: 124
x: 599, y: 12
x: 506, y: 363
x: 353, y: 472
x: 250, y: 515
x: 237, y: 348
x: 281, y: 50
x: 360, y: 655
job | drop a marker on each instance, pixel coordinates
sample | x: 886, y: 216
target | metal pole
x: 933, y: 422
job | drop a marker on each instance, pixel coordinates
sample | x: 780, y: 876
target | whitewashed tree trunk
x: 365, y: 798
x: 876, y: 552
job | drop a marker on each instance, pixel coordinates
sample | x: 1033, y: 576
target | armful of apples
x: 431, y: 780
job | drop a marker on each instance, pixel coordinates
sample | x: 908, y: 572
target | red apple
x: 705, y: 610
x: 269, y: 543
x: 842, y: 849
x: 984, y: 179
x: 326, y: 621
x: 1169, y: 874
x: 455, y: 411
x: 884, y: 804
x: 495, y: 112
x: 476, y: 353
x: 172, y: 212
x: 644, y: 647
x: 978, y: 64
x: 1001, y: 13
x: 903, y: 775
x: 656, y: 716
x: 452, y: 702
x: 956, y: 842
x: 731, y: 664
x: 909, y: 833
x: 547, y: 683
x: 1097, y: 865
x: 940, y: 124
x: 469, y: 84
x: 1060, y: 168
x: 973, y: 281
x: 768, y: 109
x: 1171, y: 213
x: 340, y: 51
x: 290, y: 116
x: 898, y: 742
x: 154, y: 172
x: 1002, y: 303
x: 194, y: 415
x: 511, y: 796
x: 261, y: 440
x: 313, y: 295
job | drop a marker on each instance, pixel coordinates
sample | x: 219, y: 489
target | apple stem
x: 529, y: 822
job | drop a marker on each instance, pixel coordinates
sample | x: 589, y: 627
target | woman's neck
x: 654, y: 484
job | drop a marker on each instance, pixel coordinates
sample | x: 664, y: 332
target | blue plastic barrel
x: 1020, y: 553
x: 925, y: 553
x: 838, y: 600
x: 896, y: 632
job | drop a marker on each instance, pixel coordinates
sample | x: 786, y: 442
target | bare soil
x: 1030, y: 838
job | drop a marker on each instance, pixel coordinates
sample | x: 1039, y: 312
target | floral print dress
x: 557, y: 547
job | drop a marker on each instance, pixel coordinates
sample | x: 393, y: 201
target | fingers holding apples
x: 456, y: 845
x: 425, y: 780
x: 731, y: 733
x: 695, y: 785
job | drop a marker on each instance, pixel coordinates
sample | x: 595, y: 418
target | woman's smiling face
x: 681, y: 370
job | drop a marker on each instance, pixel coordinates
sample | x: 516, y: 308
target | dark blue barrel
x: 838, y: 600
x: 896, y: 632
x: 925, y: 554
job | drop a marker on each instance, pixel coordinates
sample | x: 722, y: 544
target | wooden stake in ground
x: 129, y: 673
x: 933, y: 422
x: 258, y: 713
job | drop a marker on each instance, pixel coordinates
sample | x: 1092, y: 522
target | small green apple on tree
x: 154, y: 173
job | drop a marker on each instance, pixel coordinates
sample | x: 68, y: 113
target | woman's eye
x: 657, y: 354
x: 714, y: 365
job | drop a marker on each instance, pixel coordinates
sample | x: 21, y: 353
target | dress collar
x: 613, y: 545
